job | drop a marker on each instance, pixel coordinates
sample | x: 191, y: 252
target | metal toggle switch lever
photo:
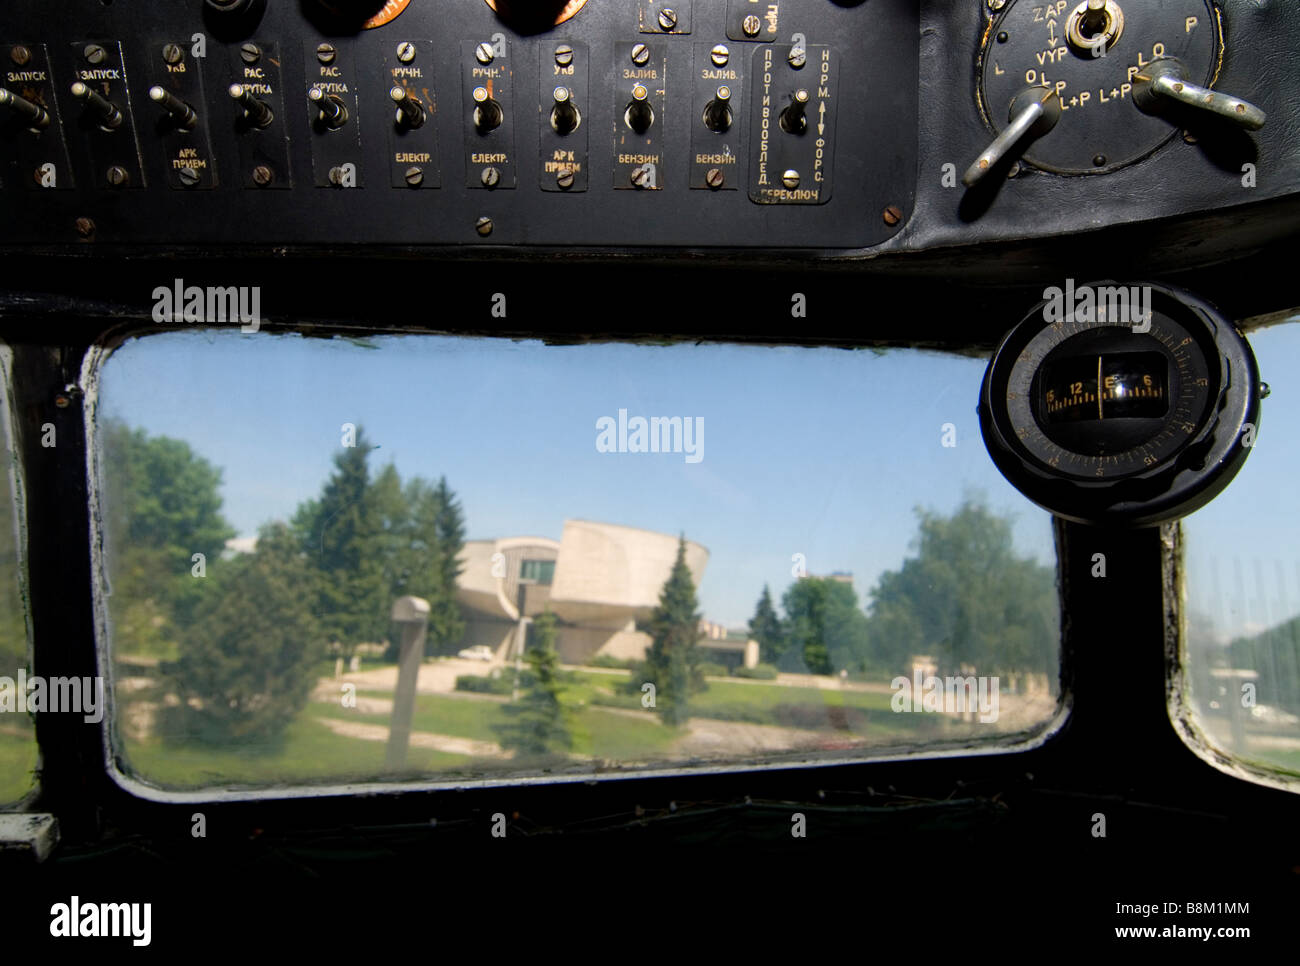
x: 1034, y: 112
x: 1166, y: 78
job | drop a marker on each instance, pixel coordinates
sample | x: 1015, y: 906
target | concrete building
x: 599, y: 579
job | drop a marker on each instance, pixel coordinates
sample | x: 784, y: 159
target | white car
x: 479, y: 652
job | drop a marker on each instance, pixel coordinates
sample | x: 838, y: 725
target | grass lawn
x: 596, y: 732
x: 310, y: 752
x: 17, y: 763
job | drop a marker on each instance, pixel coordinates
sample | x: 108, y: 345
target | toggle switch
x: 333, y: 112
x: 488, y: 113
x: 257, y: 113
x: 177, y: 109
x: 794, y: 119
x: 110, y: 116
x: 1164, y: 81
x: 1033, y: 113
x: 564, y: 115
x: 639, y: 114
x: 36, y: 116
x: 410, y: 112
x: 717, y: 113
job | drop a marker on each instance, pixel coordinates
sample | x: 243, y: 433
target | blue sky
x: 823, y: 452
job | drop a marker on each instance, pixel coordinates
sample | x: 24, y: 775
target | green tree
x: 538, y: 723
x: 245, y: 669
x: 824, y: 628
x: 966, y: 598
x: 446, y: 625
x: 162, y: 506
x: 672, y: 663
x: 766, y: 628
x: 342, y: 534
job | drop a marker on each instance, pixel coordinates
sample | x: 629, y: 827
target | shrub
x: 759, y: 672
x: 608, y: 660
x: 710, y: 669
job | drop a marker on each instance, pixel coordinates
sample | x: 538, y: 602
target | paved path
x: 419, y: 739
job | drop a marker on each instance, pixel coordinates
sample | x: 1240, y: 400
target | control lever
x: 110, y: 115
x: 1034, y: 112
x: 37, y: 116
x: 1166, y: 77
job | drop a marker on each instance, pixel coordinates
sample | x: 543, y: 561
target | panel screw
x: 640, y: 54
x: 406, y: 51
x: 892, y: 215
x: 118, y: 176
x: 715, y: 178
x: 641, y: 176
x: 490, y: 177
x: 21, y: 55
x: 720, y: 55
x: 564, y: 55
x: 667, y: 18
x: 564, y: 177
x: 751, y: 26
x: 1189, y: 137
x: 790, y: 179
x: 262, y: 176
x: 250, y: 53
x: 483, y: 226
x: 173, y: 54
x: 85, y: 227
x: 1099, y: 161
x: 189, y: 177
x: 414, y: 176
x: 798, y: 57
x: 94, y: 54
x: 326, y: 53
x: 337, y: 176
x: 483, y: 53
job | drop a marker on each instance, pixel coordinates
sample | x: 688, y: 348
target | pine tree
x: 672, y: 662
x: 766, y: 628
x: 342, y: 534
x: 446, y: 625
x: 538, y: 724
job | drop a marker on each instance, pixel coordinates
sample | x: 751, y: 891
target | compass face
x: 1102, y: 414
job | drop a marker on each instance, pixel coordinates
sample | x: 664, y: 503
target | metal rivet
x: 483, y: 226
x: 85, y: 227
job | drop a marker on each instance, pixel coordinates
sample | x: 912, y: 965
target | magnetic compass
x: 1118, y: 404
